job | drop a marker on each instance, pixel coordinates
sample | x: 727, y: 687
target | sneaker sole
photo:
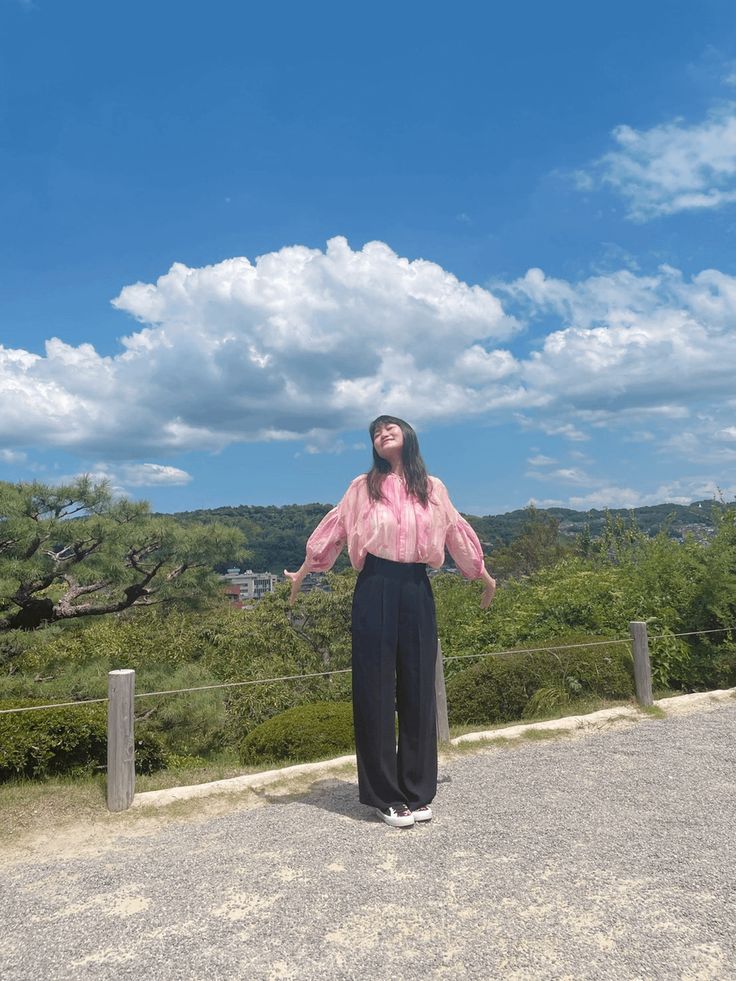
x: 396, y: 822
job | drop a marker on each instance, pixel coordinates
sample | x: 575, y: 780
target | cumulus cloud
x: 649, y: 345
x: 671, y: 167
x: 308, y: 344
x: 298, y: 342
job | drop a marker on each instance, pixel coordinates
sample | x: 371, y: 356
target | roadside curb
x: 676, y: 705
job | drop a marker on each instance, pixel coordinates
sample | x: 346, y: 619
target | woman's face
x: 388, y: 440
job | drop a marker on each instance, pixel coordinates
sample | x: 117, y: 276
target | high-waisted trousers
x: 394, y: 641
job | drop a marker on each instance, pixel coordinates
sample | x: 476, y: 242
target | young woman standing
x: 396, y: 520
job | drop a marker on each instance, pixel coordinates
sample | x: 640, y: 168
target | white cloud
x: 299, y: 341
x: 306, y: 345
x: 540, y: 460
x: 649, y: 345
x: 152, y: 475
x: 673, y: 492
x: 122, y: 476
x: 611, y: 495
x: 565, y: 475
x: 550, y: 426
x: 671, y: 167
x: 12, y: 456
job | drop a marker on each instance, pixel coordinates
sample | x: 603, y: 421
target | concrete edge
x: 248, y: 781
x: 676, y: 705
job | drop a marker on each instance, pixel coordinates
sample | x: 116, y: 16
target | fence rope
x: 238, y: 684
x: 324, y: 674
x: 534, y: 650
x: 53, y: 705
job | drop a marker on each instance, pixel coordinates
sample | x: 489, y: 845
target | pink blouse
x: 400, y: 529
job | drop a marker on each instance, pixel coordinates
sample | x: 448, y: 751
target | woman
x: 396, y: 520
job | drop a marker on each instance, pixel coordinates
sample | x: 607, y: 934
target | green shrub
x: 63, y: 741
x: 192, y: 724
x: 305, y: 732
x: 499, y: 689
x: 724, y: 667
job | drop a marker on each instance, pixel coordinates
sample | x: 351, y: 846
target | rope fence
x: 324, y: 674
x: 121, y: 698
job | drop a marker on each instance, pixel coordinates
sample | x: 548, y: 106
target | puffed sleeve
x: 461, y: 540
x: 329, y: 537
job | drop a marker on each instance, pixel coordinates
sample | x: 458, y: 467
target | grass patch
x: 38, y: 807
x: 539, y: 735
x: 450, y: 750
x: 654, y: 711
x: 31, y: 806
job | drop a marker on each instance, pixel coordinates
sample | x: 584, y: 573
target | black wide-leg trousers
x: 394, y: 640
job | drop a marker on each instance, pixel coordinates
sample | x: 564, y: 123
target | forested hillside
x: 276, y: 535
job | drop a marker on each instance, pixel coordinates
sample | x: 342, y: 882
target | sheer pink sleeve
x: 329, y: 537
x: 461, y: 540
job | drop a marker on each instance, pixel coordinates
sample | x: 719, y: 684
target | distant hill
x: 676, y: 519
x: 276, y: 535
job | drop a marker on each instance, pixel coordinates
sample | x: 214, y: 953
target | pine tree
x: 75, y: 550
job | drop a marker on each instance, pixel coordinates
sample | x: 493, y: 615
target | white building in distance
x: 245, y: 587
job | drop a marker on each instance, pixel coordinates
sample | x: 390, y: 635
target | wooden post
x: 642, y: 664
x: 443, y: 725
x: 120, y: 746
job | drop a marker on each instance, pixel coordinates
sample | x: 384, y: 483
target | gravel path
x: 606, y: 855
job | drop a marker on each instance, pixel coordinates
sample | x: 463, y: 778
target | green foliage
x: 70, y: 740
x: 277, y: 640
x: 671, y: 659
x: 581, y: 526
x: 676, y: 587
x: 305, y: 732
x: 536, y: 546
x: 551, y: 699
x: 189, y: 724
x: 276, y: 536
x: 625, y: 575
x: 572, y: 595
x: 500, y: 689
x: 74, y: 550
x: 723, y: 665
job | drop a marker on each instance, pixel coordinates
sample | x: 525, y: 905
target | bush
x: 70, y: 740
x: 498, y: 689
x: 194, y: 724
x: 305, y: 732
x: 724, y: 667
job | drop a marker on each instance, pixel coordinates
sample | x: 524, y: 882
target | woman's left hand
x: 296, y: 583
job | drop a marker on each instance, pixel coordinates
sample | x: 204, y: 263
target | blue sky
x: 513, y: 225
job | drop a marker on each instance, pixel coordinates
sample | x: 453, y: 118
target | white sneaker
x: 423, y: 813
x: 398, y: 816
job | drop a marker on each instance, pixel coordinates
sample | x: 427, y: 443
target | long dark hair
x: 415, y: 473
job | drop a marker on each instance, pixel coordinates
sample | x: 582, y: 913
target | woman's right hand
x: 296, y: 583
x: 489, y: 590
